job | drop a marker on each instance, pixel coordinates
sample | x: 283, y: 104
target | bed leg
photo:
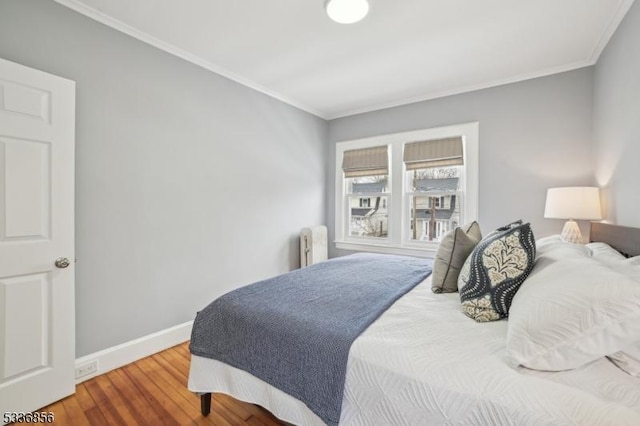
x: 205, y: 404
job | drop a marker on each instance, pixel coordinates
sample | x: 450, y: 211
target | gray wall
x: 187, y: 184
x: 533, y: 135
x: 617, y: 122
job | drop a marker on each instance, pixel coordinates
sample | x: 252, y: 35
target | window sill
x: 428, y: 252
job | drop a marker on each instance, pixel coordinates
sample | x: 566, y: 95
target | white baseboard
x: 126, y: 353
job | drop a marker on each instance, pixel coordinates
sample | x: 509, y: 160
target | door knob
x: 62, y: 262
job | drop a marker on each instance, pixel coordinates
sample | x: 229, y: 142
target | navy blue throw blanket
x: 294, y: 331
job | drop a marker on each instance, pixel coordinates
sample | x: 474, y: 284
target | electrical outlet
x: 87, y: 369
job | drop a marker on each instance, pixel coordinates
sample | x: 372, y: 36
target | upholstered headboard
x: 622, y: 238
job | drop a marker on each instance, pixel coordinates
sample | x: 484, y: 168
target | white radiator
x: 313, y: 245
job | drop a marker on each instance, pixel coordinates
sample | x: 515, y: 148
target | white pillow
x: 557, y: 248
x: 571, y: 310
x: 629, y: 359
x: 605, y: 252
x: 632, y: 261
x: 551, y: 239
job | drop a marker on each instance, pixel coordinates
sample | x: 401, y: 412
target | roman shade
x: 366, y: 162
x: 434, y: 153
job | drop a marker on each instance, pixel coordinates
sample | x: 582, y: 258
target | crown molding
x: 597, y: 50
x: 118, y: 25
x: 610, y: 29
x: 464, y: 89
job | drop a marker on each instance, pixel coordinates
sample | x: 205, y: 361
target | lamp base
x: 571, y: 232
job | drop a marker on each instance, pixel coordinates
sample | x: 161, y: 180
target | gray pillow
x: 494, y: 271
x: 454, y: 249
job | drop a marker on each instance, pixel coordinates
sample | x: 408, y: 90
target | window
x: 401, y: 193
x: 365, y: 175
x: 435, y: 187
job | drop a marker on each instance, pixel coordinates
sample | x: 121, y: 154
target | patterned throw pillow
x: 494, y: 271
x: 453, y: 250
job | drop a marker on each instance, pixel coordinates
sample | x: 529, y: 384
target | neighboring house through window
x: 401, y: 193
x: 365, y: 174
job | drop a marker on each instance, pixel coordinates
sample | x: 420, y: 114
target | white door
x: 37, y: 308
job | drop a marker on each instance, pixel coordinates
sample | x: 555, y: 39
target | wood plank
x: 103, y: 402
x: 158, y: 397
x: 88, y: 405
x: 59, y: 413
x: 152, y: 390
x: 265, y: 416
x: 134, y: 398
x: 128, y: 402
x: 221, y: 403
x: 248, y: 409
x: 178, y: 362
x: 255, y: 421
x: 169, y: 396
x: 241, y: 411
x: 188, y: 396
x: 219, y: 408
x: 120, y: 401
x: 75, y: 411
x: 168, y: 366
x: 183, y: 350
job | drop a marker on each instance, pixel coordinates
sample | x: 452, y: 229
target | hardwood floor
x: 152, y: 391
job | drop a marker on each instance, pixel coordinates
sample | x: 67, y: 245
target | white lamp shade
x: 578, y: 202
x: 347, y: 11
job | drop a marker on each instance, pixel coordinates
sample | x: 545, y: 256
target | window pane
x: 432, y: 216
x: 437, y: 179
x: 368, y: 216
x: 367, y: 184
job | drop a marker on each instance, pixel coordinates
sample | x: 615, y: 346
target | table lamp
x: 577, y: 202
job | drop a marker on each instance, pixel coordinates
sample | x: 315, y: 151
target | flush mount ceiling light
x: 347, y: 11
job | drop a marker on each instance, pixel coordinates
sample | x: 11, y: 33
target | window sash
x: 386, y: 205
x: 409, y: 200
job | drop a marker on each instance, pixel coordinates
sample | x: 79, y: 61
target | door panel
x: 25, y: 100
x: 27, y: 302
x: 27, y: 189
x: 37, y: 308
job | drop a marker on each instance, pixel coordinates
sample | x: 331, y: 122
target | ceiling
x: 403, y: 51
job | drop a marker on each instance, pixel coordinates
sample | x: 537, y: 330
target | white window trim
x: 395, y: 243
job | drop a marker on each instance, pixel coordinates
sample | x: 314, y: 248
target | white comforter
x: 423, y: 362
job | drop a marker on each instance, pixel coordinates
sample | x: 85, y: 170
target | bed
x: 423, y: 362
